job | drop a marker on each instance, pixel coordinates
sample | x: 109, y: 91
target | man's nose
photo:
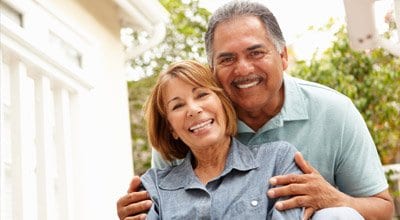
x: 244, y: 67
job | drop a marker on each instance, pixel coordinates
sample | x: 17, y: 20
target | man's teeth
x: 200, y: 126
x: 248, y: 85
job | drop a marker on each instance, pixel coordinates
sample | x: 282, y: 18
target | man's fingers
x: 136, y: 208
x: 294, y: 202
x: 132, y: 198
x: 287, y: 179
x: 302, y: 163
x: 288, y: 190
x: 134, y: 185
x: 136, y: 217
x: 308, y: 212
x: 134, y: 205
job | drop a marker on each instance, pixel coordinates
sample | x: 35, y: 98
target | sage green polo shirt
x: 329, y: 131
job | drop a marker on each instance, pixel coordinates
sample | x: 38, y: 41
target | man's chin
x: 248, y: 106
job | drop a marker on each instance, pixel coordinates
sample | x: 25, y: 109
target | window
x: 65, y: 51
x: 11, y: 14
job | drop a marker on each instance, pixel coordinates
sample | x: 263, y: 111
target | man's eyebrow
x: 224, y: 54
x: 255, y: 47
x: 228, y: 54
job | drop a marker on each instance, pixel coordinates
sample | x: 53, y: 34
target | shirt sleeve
x: 359, y: 170
x: 296, y: 213
x: 286, y: 165
x: 149, y: 183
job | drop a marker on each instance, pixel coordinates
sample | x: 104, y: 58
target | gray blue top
x: 238, y: 193
x: 330, y: 132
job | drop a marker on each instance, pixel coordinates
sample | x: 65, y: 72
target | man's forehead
x: 219, y: 54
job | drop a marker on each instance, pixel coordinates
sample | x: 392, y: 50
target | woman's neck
x: 209, y: 163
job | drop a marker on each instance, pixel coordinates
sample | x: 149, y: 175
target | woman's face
x: 195, y: 114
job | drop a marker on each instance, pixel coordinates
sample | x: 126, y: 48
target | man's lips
x: 247, y: 82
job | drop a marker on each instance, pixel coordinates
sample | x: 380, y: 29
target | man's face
x: 247, y: 64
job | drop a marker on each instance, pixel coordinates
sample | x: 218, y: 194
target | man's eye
x: 226, y: 61
x: 257, y: 54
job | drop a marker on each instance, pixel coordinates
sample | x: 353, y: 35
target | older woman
x: 189, y: 117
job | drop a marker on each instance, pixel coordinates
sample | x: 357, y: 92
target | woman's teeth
x: 200, y: 126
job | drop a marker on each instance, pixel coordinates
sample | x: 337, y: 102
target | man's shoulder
x: 319, y: 93
x: 308, y: 85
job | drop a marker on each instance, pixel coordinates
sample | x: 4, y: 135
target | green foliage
x: 184, y: 40
x: 371, y: 79
x: 138, y: 91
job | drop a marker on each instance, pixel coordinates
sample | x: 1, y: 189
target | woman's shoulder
x: 276, y: 146
x: 154, y: 175
x: 274, y: 151
x: 167, y: 177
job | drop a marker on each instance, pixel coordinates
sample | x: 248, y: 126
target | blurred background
x: 75, y: 74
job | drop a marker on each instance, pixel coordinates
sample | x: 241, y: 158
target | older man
x: 247, y: 52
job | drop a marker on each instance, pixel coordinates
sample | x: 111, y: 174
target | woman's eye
x: 202, y: 94
x: 176, y: 106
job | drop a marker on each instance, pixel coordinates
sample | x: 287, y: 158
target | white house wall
x: 91, y: 108
x: 104, y: 151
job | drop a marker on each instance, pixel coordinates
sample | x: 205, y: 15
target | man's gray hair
x: 235, y: 9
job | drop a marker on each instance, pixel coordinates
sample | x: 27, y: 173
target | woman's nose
x: 194, y: 109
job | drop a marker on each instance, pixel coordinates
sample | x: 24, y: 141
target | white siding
x: 65, y: 141
x: 65, y: 132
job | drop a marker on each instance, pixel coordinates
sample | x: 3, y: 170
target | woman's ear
x: 174, y: 134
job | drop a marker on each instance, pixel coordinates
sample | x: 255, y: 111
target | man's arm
x: 312, y: 191
x: 134, y: 204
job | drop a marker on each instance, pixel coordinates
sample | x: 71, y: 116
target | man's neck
x: 257, y: 118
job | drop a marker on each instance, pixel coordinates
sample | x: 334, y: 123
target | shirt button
x: 254, y: 203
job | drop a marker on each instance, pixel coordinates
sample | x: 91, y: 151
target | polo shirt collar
x: 240, y: 158
x: 294, y: 107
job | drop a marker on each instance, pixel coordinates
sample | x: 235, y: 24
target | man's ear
x: 284, y: 58
x: 212, y: 68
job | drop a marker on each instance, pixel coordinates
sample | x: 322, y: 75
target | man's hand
x: 309, y: 190
x: 132, y: 205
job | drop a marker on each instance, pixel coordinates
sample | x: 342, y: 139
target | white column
x: 44, y: 119
x: 5, y: 140
x: 18, y: 75
x: 63, y: 151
